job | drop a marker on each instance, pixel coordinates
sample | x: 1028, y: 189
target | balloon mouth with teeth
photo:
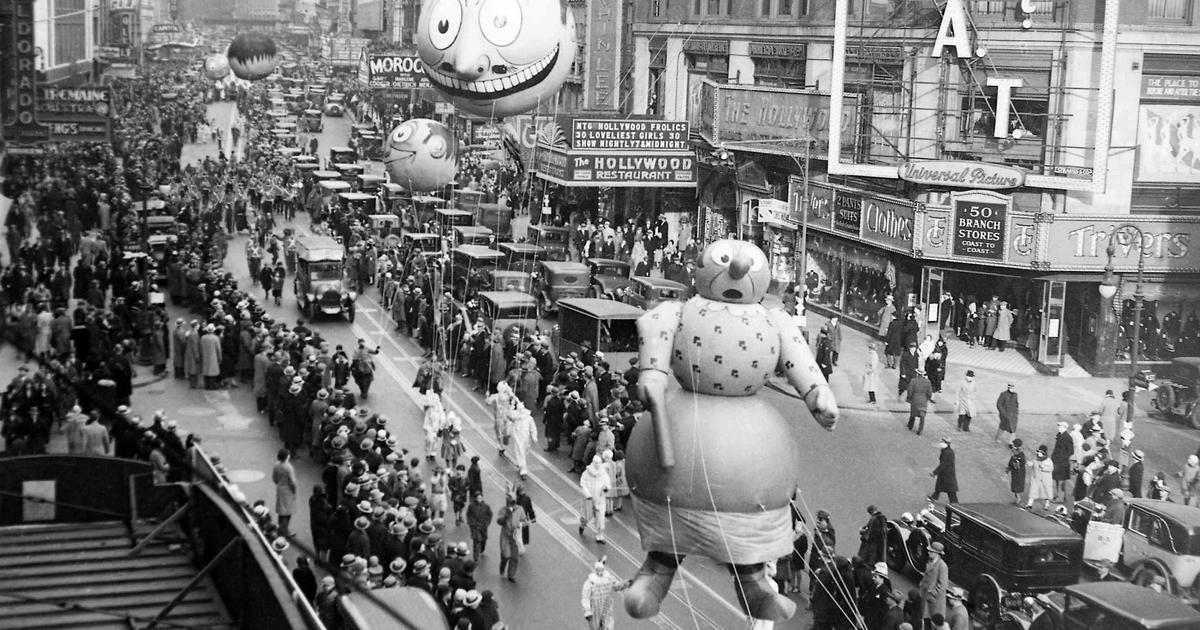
x: 404, y: 155
x: 505, y: 85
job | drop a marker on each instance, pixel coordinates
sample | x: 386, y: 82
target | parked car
x: 555, y: 280
x: 609, y: 277
x: 318, y: 283
x: 1101, y: 606
x: 472, y: 235
x: 469, y: 270
x: 1176, y: 390
x: 522, y: 256
x: 512, y: 312
x: 494, y: 216
x: 555, y: 239
x: 310, y: 121
x: 342, y: 155
x: 449, y: 218
x: 335, y: 105
x: 1160, y: 545
x: 648, y: 292
x: 605, y: 326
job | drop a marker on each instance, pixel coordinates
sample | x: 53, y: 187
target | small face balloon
x: 252, y: 56
x: 496, y: 58
x: 216, y: 67
x: 422, y: 155
x: 733, y: 271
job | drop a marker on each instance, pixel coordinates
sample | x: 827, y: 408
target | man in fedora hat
x: 874, y: 601
x: 934, y: 583
x: 957, y: 615
x: 945, y: 474
x: 920, y: 394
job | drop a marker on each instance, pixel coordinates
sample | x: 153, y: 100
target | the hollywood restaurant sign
x: 962, y: 174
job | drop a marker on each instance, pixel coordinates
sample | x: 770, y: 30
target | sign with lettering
x: 1081, y: 243
x: 395, y: 72
x: 166, y: 28
x: 962, y: 174
x: 706, y: 46
x: 820, y: 204
x: 888, y: 223
x: 778, y: 120
x: 847, y: 215
x: 1170, y: 87
x: 80, y: 114
x: 602, y: 55
x: 778, y: 50
x: 645, y: 170
x: 21, y: 125
x: 619, y: 134
x: 980, y: 226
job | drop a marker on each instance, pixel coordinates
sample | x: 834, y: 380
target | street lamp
x: 1108, y: 288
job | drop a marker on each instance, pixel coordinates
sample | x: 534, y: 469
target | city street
x: 870, y: 458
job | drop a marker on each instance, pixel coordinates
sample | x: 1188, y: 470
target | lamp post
x: 1108, y: 288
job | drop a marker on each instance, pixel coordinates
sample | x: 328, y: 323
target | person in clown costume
x: 726, y: 495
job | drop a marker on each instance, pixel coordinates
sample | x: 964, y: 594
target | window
x: 785, y: 7
x: 779, y: 72
x: 1152, y: 528
x: 656, y: 8
x: 1169, y: 10
x: 710, y: 7
x: 766, y: 8
x: 69, y: 31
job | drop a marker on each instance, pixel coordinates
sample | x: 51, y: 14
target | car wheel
x: 593, y: 292
x: 985, y: 599
x: 918, y: 550
x: 1148, y: 574
x: 1194, y: 417
x: 310, y: 312
x: 896, y: 554
x: 1165, y: 397
x: 541, y: 308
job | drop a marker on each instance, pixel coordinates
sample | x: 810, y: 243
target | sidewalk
x: 1040, y: 395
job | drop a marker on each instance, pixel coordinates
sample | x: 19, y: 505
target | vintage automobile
x: 356, y: 202
x: 1160, y: 544
x: 349, y: 171
x: 555, y: 239
x: 609, y: 277
x: 446, y: 219
x: 419, y: 244
x: 325, y: 196
x: 496, y: 217
x: 420, y: 610
x: 998, y: 552
x: 394, y: 198
x: 469, y: 270
x: 554, y: 280
x: 318, y: 283
x: 648, y: 292
x: 285, y: 137
x: 335, y: 105
x: 603, y: 325
x: 326, y: 175
x: 368, y: 183
x: 513, y: 312
x: 342, y: 155
x: 311, y: 121
x: 371, y: 145
x: 1176, y: 390
x: 499, y: 279
x: 522, y: 256
x: 385, y: 228
x: 471, y: 235
x: 466, y: 198
x: 1100, y: 606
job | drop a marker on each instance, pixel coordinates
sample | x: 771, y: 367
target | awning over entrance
x: 569, y: 167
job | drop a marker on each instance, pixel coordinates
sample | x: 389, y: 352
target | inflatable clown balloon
x: 252, y: 56
x: 216, y: 67
x: 422, y: 155
x: 496, y: 58
x: 714, y: 472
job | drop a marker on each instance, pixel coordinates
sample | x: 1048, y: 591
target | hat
x: 897, y: 596
x: 123, y: 409
x: 1062, y: 425
x: 1117, y: 493
x: 348, y: 560
x: 1016, y: 443
x: 361, y: 523
x: 322, y: 394
x: 920, y: 370
x: 956, y: 592
x: 295, y: 389
x: 880, y: 568
x: 945, y: 442
x: 280, y: 545
x: 472, y: 599
x: 1138, y: 456
x: 366, y: 444
x: 381, y: 420
x: 426, y: 527
x: 398, y: 565
x: 298, y: 380
x: 289, y: 371
x: 365, y: 507
x: 420, y: 565
x: 937, y: 548
x: 971, y: 373
x: 338, y: 441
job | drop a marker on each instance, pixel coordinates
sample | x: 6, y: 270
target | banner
x: 18, y: 64
x: 1168, y: 146
x: 782, y: 121
x: 648, y: 170
x: 602, y: 56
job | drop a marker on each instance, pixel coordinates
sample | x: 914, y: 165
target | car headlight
x: 353, y: 295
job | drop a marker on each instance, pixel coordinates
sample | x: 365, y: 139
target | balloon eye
x: 500, y: 21
x: 445, y: 17
x: 725, y: 258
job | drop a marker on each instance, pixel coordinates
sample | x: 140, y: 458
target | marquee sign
x: 395, y: 72
x: 962, y: 174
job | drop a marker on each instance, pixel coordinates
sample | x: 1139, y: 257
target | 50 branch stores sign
x: 980, y: 227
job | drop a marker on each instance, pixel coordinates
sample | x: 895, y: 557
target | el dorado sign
x: 957, y: 174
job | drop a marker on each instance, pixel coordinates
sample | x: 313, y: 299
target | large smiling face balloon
x: 252, y: 56
x: 496, y: 58
x: 216, y: 67
x: 422, y: 155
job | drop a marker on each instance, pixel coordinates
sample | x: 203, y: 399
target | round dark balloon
x: 252, y: 56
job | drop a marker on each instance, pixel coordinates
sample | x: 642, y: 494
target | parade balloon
x: 216, y: 67
x: 422, y: 155
x: 496, y: 58
x: 714, y: 471
x: 252, y: 56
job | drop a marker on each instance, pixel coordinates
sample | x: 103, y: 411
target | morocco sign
x: 396, y: 72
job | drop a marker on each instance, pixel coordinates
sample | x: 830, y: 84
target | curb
x: 160, y: 377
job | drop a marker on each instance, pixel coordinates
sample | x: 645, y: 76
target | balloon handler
x: 713, y: 473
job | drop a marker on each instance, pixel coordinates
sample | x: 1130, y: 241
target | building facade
x: 981, y: 148
x: 65, y: 33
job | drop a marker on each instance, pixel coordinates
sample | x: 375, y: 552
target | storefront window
x: 1170, y: 321
x: 854, y: 280
x: 777, y: 72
